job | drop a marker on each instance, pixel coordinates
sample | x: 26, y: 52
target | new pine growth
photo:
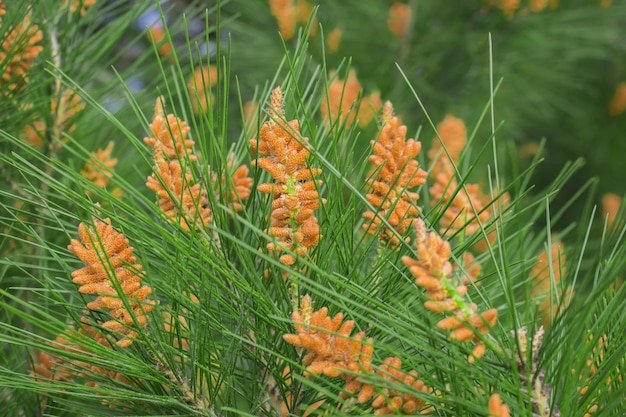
x: 395, y: 174
x: 282, y: 152
x: 112, y: 273
x: 432, y: 271
x: 334, y: 351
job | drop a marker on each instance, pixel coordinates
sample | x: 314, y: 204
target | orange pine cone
x: 181, y: 197
x: 285, y: 14
x: 170, y: 133
x: 331, y: 347
x: 294, y: 190
x: 334, y: 352
x: 393, y: 401
x: 465, y: 207
x: 199, y: 86
x: 432, y: 271
x: 497, y: 408
x: 546, y: 279
x: 110, y: 264
x: 81, y: 5
x: 617, y: 105
x: 465, y: 329
x: 242, y: 186
x: 98, y: 169
x: 399, y: 20
x: 60, y: 368
x: 333, y: 39
x: 340, y: 97
x: 18, y: 52
x: 396, y: 172
x: 453, y: 134
x: 235, y: 190
x: 50, y: 367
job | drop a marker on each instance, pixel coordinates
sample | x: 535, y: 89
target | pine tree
x: 216, y: 210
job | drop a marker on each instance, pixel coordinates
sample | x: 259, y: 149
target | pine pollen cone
x: 285, y: 13
x: 294, y: 189
x: 18, y: 52
x: 180, y: 198
x: 497, y: 408
x: 546, y: 278
x: 171, y: 133
x: 100, y: 166
x: 432, y: 271
x: 237, y: 190
x: 81, y: 5
x: 466, y: 207
x: 453, y: 134
x: 464, y: 329
x: 332, y: 349
x: 395, y: 172
x: 51, y: 367
x: 59, y: 368
x: 399, y: 21
x: 112, y: 273
x: 390, y: 400
x: 433, y: 253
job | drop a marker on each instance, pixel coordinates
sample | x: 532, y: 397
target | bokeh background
x: 560, y: 66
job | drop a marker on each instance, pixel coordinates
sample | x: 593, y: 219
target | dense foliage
x: 280, y: 208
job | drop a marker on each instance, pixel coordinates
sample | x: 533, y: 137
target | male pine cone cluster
x: 283, y: 154
x: 396, y: 172
x: 335, y: 352
x: 112, y: 273
x: 432, y: 271
x: 181, y: 197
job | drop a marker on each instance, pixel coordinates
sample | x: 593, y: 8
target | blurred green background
x: 560, y: 63
x: 560, y: 67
